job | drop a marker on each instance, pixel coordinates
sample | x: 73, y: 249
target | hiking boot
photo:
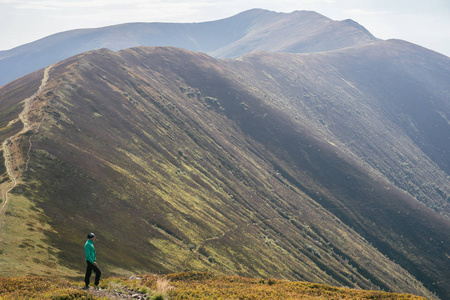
x: 86, y: 287
x: 97, y: 287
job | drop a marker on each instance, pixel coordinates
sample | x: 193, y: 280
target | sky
x: 423, y: 22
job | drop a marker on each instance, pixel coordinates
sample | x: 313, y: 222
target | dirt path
x: 6, y: 153
x: 118, y: 295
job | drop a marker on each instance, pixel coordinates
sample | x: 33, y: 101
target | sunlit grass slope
x: 191, y: 285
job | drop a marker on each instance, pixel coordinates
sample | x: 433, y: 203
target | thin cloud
x: 69, y: 4
x: 103, y: 13
x: 58, y: 4
x: 55, y: 4
x: 362, y: 12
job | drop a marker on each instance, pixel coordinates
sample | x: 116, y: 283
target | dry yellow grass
x: 189, y: 285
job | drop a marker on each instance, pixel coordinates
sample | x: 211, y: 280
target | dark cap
x: 90, y: 235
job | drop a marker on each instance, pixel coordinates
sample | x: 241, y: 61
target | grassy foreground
x: 191, y: 285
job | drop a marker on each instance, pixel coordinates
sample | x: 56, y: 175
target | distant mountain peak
x: 249, y: 31
x: 359, y: 26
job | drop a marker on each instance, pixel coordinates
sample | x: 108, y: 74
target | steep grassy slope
x: 181, y: 162
x: 10, y: 108
x: 386, y: 103
x: 10, y: 104
x: 253, y: 30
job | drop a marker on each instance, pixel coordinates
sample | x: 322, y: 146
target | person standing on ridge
x: 91, y: 263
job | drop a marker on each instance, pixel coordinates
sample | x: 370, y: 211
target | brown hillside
x: 179, y: 161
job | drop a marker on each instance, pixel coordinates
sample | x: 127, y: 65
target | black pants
x: 89, y: 269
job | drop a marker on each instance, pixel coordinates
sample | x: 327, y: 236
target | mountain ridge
x: 253, y: 30
x: 347, y: 57
x: 195, y: 155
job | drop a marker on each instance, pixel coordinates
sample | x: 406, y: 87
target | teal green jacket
x: 90, y: 251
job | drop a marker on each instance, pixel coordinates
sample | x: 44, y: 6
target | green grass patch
x: 24, y: 246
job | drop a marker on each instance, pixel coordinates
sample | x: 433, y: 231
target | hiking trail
x: 8, y: 156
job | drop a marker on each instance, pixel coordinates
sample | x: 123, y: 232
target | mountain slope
x: 386, y: 103
x: 253, y: 30
x: 281, y: 165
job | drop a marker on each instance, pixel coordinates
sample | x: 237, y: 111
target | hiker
x: 90, y: 260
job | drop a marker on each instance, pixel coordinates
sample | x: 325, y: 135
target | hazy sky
x: 423, y: 22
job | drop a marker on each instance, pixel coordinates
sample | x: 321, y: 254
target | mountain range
x: 253, y: 30
x: 329, y: 166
